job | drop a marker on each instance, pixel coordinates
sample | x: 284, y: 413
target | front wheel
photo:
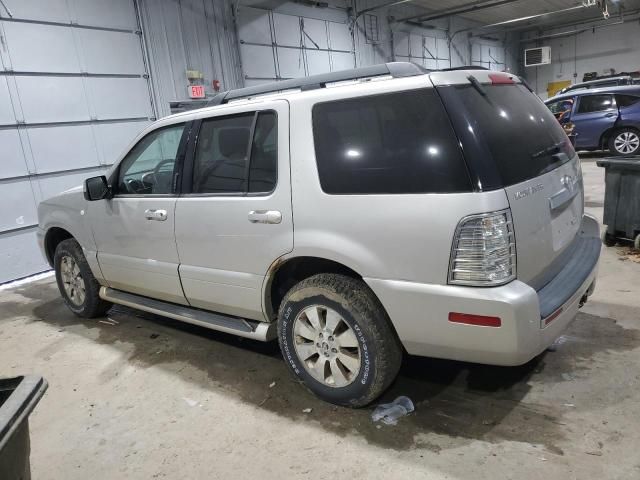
x: 625, y: 142
x: 77, y: 285
x: 337, y: 339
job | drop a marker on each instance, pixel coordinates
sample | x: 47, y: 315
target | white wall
x: 616, y: 47
x: 460, y: 51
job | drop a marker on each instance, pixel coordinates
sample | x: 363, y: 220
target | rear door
x: 593, y: 115
x: 235, y: 218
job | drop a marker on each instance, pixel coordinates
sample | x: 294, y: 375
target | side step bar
x: 262, y: 331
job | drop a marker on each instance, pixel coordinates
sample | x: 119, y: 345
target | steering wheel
x: 159, y: 166
x: 150, y: 179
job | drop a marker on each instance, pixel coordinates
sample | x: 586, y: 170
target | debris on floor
x: 628, y: 253
x: 272, y: 384
x: 389, y: 413
x: 190, y: 402
x: 307, y: 410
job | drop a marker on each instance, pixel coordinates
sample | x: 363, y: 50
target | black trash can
x: 621, y: 199
x: 18, y: 398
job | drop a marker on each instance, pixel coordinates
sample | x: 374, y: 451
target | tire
x: 352, y: 325
x: 625, y: 142
x: 608, y: 239
x: 72, y: 276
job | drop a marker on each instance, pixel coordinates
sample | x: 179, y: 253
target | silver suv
x: 354, y: 216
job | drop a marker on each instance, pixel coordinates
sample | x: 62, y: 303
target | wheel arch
x: 52, y: 239
x: 284, y: 273
x: 606, y: 135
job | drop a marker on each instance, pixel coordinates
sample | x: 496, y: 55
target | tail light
x: 484, y: 250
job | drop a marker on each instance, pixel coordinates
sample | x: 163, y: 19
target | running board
x: 262, y: 331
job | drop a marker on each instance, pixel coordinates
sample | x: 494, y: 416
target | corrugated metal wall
x: 73, y: 93
x: 183, y: 35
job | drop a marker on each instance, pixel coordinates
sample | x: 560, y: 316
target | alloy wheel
x: 627, y: 142
x: 327, y: 346
x: 72, y: 280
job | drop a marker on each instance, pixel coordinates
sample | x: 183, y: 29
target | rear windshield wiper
x: 477, y: 85
x: 555, y: 148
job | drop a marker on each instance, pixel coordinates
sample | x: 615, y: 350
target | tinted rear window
x: 392, y: 143
x: 508, y: 134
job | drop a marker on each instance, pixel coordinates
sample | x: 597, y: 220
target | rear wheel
x: 77, y: 285
x: 337, y: 339
x: 625, y: 142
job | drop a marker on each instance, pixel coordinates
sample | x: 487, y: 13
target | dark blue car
x: 601, y: 118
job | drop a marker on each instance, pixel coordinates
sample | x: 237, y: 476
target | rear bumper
x: 420, y: 314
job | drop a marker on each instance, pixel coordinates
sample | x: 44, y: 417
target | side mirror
x: 96, y: 188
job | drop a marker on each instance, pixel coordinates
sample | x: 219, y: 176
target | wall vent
x: 537, y: 56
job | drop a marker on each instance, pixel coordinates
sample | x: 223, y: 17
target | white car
x: 353, y: 216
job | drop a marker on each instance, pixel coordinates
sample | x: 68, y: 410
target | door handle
x: 265, y: 216
x: 158, y: 215
x: 610, y: 114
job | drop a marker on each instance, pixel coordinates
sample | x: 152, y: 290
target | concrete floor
x: 146, y: 397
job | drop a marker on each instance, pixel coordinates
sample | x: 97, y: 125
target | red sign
x: 196, y: 91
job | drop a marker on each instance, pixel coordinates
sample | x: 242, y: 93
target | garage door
x: 73, y: 93
x: 430, y: 51
x: 489, y: 56
x: 277, y: 46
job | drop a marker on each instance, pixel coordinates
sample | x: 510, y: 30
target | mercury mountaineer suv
x: 353, y: 216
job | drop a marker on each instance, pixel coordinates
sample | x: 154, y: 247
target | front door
x: 134, y: 230
x: 593, y: 115
x: 235, y: 218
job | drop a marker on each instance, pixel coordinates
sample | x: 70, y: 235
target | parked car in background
x: 601, y: 118
x: 599, y: 83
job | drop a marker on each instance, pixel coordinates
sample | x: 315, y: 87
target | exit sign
x: 196, y: 91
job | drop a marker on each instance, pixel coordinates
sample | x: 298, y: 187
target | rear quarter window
x: 388, y: 144
x: 627, y: 100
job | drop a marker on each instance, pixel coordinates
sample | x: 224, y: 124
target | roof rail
x: 464, y: 67
x: 395, y: 69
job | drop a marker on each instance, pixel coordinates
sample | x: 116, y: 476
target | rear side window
x: 227, y: 162
x: 393, y: 143
x: 595, y: 103
x: 626, y: 100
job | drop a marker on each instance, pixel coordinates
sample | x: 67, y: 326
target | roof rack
x: 395, y: 69
x: 464, y: 67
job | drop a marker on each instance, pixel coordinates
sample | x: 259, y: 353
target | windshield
x: 508, y: 134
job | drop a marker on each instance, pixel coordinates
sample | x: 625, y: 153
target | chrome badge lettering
x: 529, y: 191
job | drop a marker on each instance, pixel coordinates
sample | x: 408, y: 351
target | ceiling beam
x: 459, y: 10
x: 382, y: 5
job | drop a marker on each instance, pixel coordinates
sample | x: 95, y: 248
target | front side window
x: 392, y: 143
x: 149, y: 167
x: 227, y: 162
x: 561, y: 109
x: 595, y: 103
